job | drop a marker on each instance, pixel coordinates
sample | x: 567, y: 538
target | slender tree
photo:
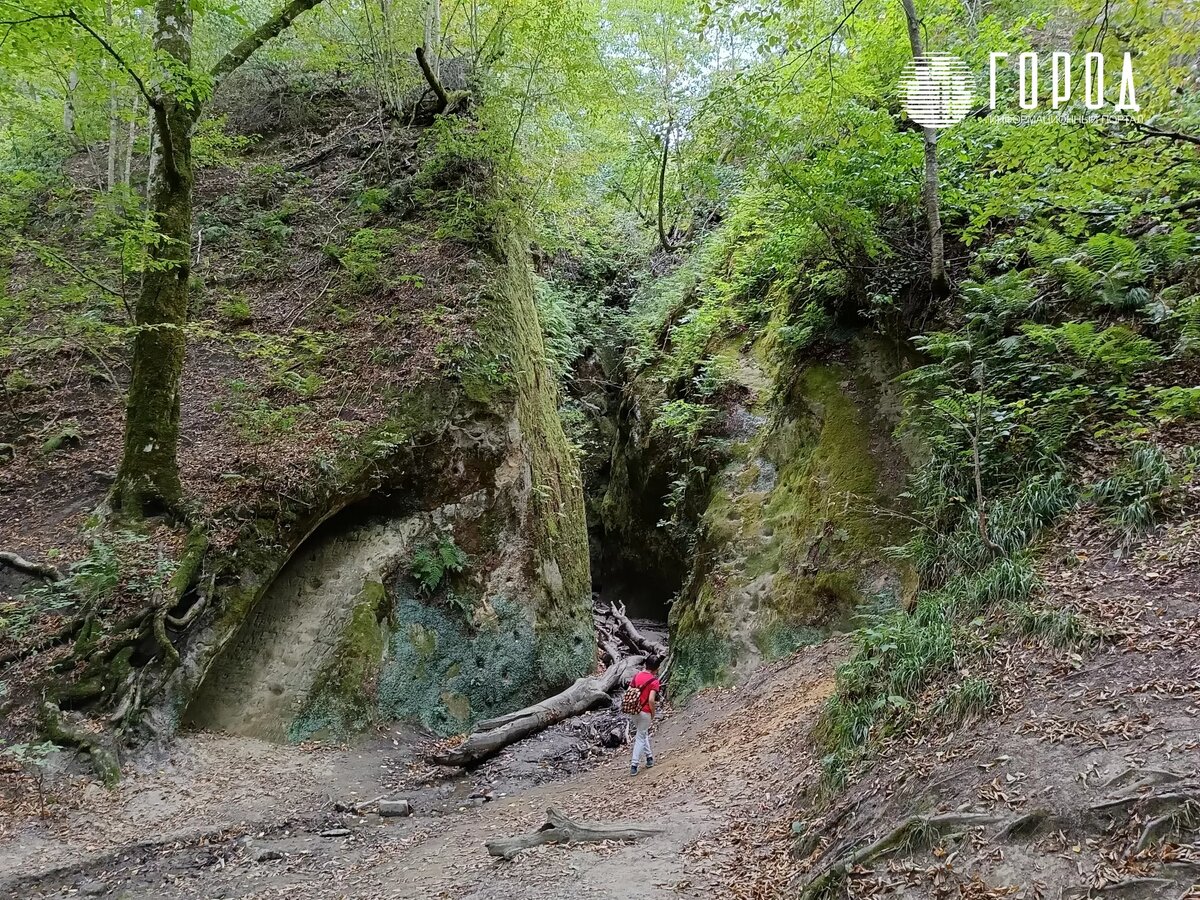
x: 933, y: 213
x: 148, y: 476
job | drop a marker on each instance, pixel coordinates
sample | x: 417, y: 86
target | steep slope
x: 367, y: 353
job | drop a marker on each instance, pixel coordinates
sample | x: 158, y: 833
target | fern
x: 1111, y: 251
x: 1187, y: 318
x: 1171, y: 248
x: 1117, y: 349
x: 430, y: 563
x: 1053, y: 246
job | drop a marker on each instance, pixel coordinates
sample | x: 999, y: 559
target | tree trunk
x: 148, y: 478
x: 493, y: 735
x: 131, y: 139
x: 114, y: 124
x: 663, y: 239
x: 933, y: 213
x: 69, y: 105
x: 433, y: 36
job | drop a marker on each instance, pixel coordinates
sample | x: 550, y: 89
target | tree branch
x: 265, y: 32
x: 558, y: 829
x: 72, y: 16
x: 38, y: 570
x: 442, y: 99
x: 157, y: 105
x: 1163, y: 133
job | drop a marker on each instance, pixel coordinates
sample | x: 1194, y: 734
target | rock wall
x: 784, y: 536
x: 345, y: 635
x: 791, y: 543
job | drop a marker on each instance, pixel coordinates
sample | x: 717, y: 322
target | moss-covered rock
x: 342, y: 699
x: 480, y: 458
x: 446, y: 673
x: 792, y: 536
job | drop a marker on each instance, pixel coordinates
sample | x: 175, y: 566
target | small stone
x: 395, y: 808
x: 266, y: 854
x: 93, y: 888
x: 335, y: 832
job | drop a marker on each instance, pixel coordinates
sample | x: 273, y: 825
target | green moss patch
x: 342, y: 698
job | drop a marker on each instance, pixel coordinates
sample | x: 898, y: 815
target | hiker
x: 649, y: 689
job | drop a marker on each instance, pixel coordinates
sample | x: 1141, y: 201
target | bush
x: 235, y: 310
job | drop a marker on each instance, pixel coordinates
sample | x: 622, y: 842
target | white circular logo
x: 938, y: 90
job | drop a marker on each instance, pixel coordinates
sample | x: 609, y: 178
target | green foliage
x: 1060, y: 629
x: 365, y: 256
x: 213, y: 146
x: 1116, y: 349
x: 969, y: 699
x: 430, y: 564
x: 1174, y: 403
x: 1145, y: 484
x: 899, y: 654
x: 458, y: 180
x: 682, y: 420
x: 235, y: 310
x: 262, y: 422
x: 371, y: 201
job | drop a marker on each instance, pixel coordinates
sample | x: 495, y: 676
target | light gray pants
x: 641, y: 743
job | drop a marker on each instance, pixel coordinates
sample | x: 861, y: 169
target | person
x: 650, y: 688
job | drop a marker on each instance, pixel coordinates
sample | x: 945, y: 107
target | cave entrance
x: 642, y: 583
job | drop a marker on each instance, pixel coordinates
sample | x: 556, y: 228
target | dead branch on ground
x: 558, y: 829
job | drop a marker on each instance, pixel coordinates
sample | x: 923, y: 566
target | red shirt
x: 645, y: 682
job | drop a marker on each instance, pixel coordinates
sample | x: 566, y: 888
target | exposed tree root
x: 1144, y: 778
x: 45, y: 571
x: 1025, y: 825
x: 104, y: 757
x: 1184, y: 817
x: 1148, y: 888
x: 913, y: 833
x: 1148, y: 801
x: 558, y: 829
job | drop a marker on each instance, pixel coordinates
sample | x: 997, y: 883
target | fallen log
x: 558, y: 829
x: 493, y: 735
x: 637, y: 640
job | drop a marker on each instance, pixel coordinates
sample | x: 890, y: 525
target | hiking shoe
x: 649, y: 762
x: 633, y: 770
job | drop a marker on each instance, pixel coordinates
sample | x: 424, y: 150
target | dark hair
x: 653, y: 662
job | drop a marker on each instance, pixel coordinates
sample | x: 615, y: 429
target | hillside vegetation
x: 345, y: 385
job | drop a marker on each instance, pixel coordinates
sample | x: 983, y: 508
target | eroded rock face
x: 349, y: 633
x: 788, y: 534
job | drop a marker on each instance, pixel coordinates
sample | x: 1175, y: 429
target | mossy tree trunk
x: 148, y: 479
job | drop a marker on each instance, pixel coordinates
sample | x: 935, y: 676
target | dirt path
x: 720, y: 792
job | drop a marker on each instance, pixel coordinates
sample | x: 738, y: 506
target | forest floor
x: 1081, y: 782
x: 234, y: 817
